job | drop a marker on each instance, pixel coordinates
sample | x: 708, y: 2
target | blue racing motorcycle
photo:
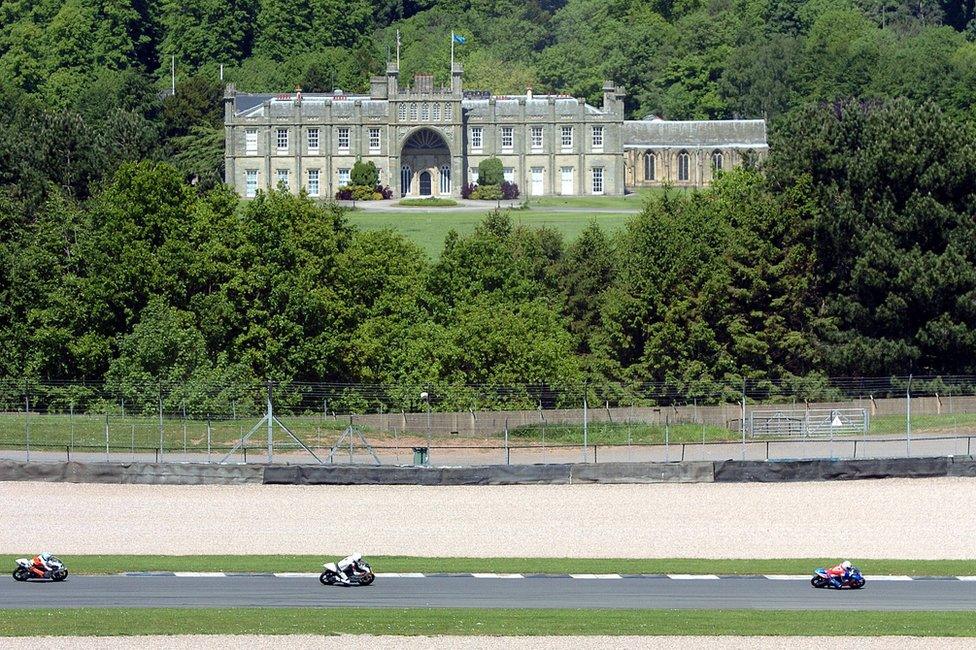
x: 853, y: 579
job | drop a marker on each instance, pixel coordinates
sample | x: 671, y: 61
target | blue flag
x: 459, y: 39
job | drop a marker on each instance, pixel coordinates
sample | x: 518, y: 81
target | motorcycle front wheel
x: 818, y: 581
x: 58, y: 576
x: 21, y: 574
x: 367, y: 579
x: 857, y: 584
x: 327, y: 578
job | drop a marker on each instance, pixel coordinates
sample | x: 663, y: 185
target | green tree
x: 365, y: 174
x: 491, y: 172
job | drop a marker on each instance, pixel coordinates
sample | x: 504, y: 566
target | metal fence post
x: 667, y: 440
x: 742, y: 419
x: 585, y: 428
x: 183, y: 417
x: 27, y: 424
x: 106, y: 437
x: 908, y: 417
x: 160, y: 402
x: 209, y: 460
x: 71, y: 425
x: 508, y: 453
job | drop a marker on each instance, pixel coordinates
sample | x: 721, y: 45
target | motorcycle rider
x: 41, y: 565
x: 349, y: 566
x: 839, y: 574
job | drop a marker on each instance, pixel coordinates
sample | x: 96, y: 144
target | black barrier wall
x: 563, y: 474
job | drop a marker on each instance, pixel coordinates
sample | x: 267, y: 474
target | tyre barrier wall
x: 146, y: 473
x: 561, y: 474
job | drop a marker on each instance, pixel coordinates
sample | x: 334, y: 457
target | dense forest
x: 850, y: 251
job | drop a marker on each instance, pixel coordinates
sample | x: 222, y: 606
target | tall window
x: 250, y: 182
x: 251, y: 142
x: 684, y: 161
x: 343, y: 139
x: 343, y: 177
x: 313, y: 140
x: 448, y: 112
x: 566, y: 137
x: 446, y: 179
x: 425, y: 112
x: 537, y: 137
x: 598, y: 137
x: 413, y: 112
x: 281, y: 178
x: 598, y: 180
x: 508, y: 174
x: 508, y: 137
x: 437, y: 113
x: 472, y: 174
x: 374, y: 139
x: 717, y: 160
x: 476, y: 137
x: 405, y: 178
x: 313, y: 182
x: 401, y: 112
x: 650, y: 164
x: 282, y: 140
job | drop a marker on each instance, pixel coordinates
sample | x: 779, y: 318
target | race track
x: 544, y: 592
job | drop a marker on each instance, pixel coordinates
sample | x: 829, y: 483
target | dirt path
x: 896, y: 518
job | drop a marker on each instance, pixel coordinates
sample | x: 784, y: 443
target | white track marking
x: 199, y: 574
x: 888, y: 578
x: 296, y: 575
x: 596, y: 576
x: 787, y: 577
x: 497, y: 575
x: 967, y: 578
x: 686, y: 576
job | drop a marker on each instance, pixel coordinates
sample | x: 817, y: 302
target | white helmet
x: 846, y: 564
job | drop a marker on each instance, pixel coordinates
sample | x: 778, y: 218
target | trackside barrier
x: 569, y: 473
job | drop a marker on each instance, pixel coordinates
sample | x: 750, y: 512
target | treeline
x: 89, y: 80
x: 851, y: 253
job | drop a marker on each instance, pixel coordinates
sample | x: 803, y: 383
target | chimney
x: 528, y: 92
x: 298, y: 95
x: 378, y: 88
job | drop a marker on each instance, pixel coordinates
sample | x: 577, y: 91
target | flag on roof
x: 458, y: 38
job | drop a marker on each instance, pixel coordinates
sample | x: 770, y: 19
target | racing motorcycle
x: 854, y: 579
x: 362, y: 578
x: 23, y: 572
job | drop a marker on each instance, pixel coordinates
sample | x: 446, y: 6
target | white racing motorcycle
x: 354, y: 568
x: 24, y: 571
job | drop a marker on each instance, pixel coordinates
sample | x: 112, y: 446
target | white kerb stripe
x: 969, y: 578
x: 595, y: 576
x: 686, y: 576
x: 889, y: 578
x: 190, y: 574
x: 787, y: 577
x: 400, y: 575
x: 497, y: 575
x: 296, y: 575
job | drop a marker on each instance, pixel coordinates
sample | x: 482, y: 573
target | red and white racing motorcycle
x: 25, y: 570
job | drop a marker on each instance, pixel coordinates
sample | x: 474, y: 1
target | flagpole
x: 452, y: 55
x: 398, y: 49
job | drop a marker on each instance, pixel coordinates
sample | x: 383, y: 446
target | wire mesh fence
x: 480, y: 424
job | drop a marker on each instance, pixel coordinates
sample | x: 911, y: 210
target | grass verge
x: 429, y: 202
x: 104, y: 564
x: 495, y: 622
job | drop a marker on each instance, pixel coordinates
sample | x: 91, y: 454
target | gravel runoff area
x: 893, y: 518
x: 353, y: 642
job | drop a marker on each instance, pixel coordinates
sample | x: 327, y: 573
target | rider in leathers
x: 41, y: 566
x: 349, y: 566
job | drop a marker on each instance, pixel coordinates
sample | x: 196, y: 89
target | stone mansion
x: 428, y: 141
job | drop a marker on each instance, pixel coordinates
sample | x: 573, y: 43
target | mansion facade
x: 428, y: 141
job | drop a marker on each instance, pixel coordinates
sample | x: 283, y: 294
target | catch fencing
x: 468, y: 425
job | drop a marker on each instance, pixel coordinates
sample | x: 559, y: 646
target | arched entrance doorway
x: 427, y: 156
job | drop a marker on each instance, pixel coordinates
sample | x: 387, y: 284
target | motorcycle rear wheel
x: 327, y: 578
x: 818, y: 582
x: 20, y: 574
x: 366, y: 580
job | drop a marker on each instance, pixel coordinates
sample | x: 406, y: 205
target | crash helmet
x: 846, y: 564
x: 46, y: 557
x: 356, y: 557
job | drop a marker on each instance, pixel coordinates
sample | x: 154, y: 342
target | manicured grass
x: 493, y: 622
x: 106, y: 564
x: 628, y: 202
x: 948, y: 423
x: 432, y: 202
x: 605, y: 433
x: 428, y: 228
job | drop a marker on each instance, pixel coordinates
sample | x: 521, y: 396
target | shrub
x: 384, y: 192
x: 364, y: 173
x: 509, y: 190
x: 491, y: 172
x: 467, y: 189
x: 487, y: 193
x: 362, y: 192
x: 344, y: 194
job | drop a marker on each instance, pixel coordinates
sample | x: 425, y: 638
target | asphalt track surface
x: 534, y: 592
